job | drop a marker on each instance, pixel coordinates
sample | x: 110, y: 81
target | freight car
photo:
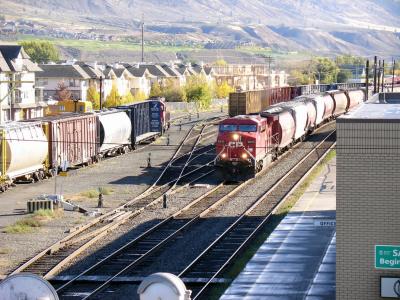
x: 246, y: 143
x: 23, y: 151
x: 149, y: 119
x: 114, y: 132
x: 250, y: 102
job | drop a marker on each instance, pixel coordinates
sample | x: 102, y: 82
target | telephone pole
x: 142, y: 27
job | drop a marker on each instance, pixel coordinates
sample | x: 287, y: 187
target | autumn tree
x: 155, y: 90
x: 41, y: 51
x: 93, y: 96
x: 62, y: 92
x: 139, y: 96
x: 173, y: 92
x: 198, y: 91
x: 223, y: 90
x: 220, y: 62
x: 113, y: 99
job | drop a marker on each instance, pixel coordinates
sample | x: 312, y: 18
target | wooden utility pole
x: 394, y: 66
x: 142, y: 25
x: 375, y: 61
x: 383, y: 75
x: 367, y: 80
x: 379, y: 76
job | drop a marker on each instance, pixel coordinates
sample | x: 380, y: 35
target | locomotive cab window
x: 227, y: 127
x: 248, y: 128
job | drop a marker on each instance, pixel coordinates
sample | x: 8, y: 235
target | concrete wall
x: 368, y: 204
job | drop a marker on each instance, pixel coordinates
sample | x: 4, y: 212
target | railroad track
x: 132, y: 254
x: 131, y: 258
x: 218, y: 255
x: 53, y: 259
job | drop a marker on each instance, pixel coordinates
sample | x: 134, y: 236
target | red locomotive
x: 247, y: 143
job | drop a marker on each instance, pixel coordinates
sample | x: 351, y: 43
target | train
x: 34, y: 149
x: 247, y: 143
x: 250, y: 102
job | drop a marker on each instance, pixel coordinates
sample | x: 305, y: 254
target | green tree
x: 344, y: 75
x: 41, y: 51
x: 93, y: 96
x: 326, y: 69
x: 350, y: 60
x: 198, y: 91
x: 223, y: 90
x: 155, y: 90
x: 300, y: 77
x: 113, y: 99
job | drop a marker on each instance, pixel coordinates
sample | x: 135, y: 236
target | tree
x: 223, y: 90
x: 113, y: 99
x: 139, y: 96
x: 155, y: 90
x: 173, y: 92
x: 93, y: 96
x: 220, y: 62
x: 198, y: 91
x: 62, y: 92
x: 128, y: 98
x: 41, y: 51
x: 344, y: 75
x: 300, y: 78
x: 326, y: 69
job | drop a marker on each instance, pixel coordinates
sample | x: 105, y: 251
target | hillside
x: 329, y: 26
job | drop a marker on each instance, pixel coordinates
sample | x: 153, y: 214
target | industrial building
x: 368, y: 204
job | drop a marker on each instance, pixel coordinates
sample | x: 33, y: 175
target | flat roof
x: 383, y: 107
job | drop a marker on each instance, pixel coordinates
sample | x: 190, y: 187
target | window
x: 248, y: 128
x: 227, y: 127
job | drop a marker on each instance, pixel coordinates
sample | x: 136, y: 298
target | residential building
x: 141, y: 80
x: 120, y: 78
x: 249, y: 77
x: 19, y: 99
x: 71, y: 76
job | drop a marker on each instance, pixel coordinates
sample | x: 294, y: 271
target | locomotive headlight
x: 235, y: 136
x: 244, y: 155
x: 223, y: 155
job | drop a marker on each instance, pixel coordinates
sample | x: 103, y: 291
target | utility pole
x: 394, y: 66
x: 383, y: 74
x: 379, y: 76
x: 375, y: 61
x: 367, y: 80
x: 142, y: 25
x: 101, y: 92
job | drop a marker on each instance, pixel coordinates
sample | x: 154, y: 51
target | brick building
x: 368, y: 204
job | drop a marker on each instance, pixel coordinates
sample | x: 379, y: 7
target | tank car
x: 23, y: 152
x: 114, y: 132
x: 243, y: 146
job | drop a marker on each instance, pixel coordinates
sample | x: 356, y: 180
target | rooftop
x: 381, y: 107
x: 62, y: 71
x: 9, y: 56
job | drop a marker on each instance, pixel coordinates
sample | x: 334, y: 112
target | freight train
x: 32, y: 149
x: 249, y: 102
x: 247, y: 143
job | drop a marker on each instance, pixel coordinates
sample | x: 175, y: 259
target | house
x: 158, y: 73
x: 141, y: 80
x: 73, y: 77
x: 97, y: 78
x: 19, y: 98
x: 120, y: 78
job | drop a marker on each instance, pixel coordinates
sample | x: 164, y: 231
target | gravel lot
x: 127, y: 177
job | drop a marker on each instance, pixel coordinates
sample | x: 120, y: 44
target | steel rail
x: 247, y: 213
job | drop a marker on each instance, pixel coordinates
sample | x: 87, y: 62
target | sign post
x: 387, y: 257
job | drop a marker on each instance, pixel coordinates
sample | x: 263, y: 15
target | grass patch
x: 233, y: 271
x: 30, y: 224
x: 4, y: 251
x: 94, y: 193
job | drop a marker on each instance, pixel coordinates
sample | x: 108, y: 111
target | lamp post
x: 101, y: 92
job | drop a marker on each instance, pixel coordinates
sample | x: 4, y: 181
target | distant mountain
x: 338, y: 26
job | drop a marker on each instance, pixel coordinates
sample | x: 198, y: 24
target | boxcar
x: 23, y: 152
x: 148, y: 120
x: 72, y: 138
